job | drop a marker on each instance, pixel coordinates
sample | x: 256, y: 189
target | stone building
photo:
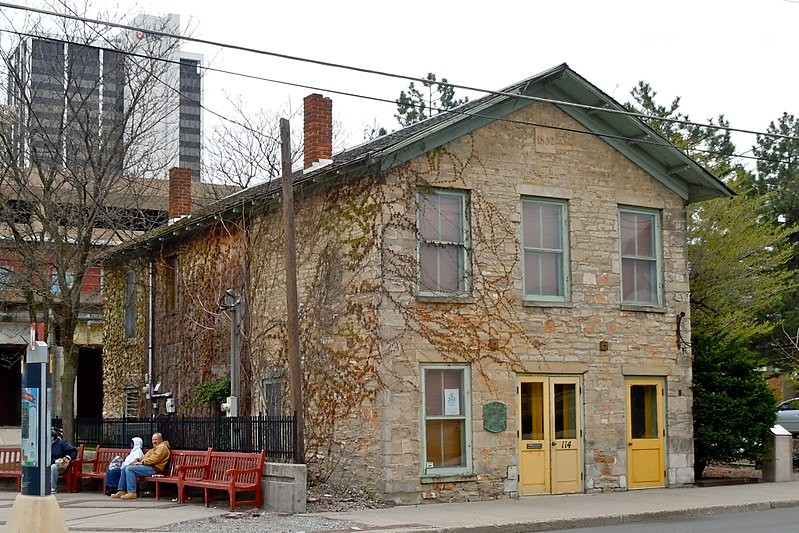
x: 488, y: 300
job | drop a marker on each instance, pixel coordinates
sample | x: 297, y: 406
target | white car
x: 788, y: 415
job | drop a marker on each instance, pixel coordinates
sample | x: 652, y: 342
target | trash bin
x: 778, y: 462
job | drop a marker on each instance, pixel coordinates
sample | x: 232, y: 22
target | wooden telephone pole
x: 292, y: 318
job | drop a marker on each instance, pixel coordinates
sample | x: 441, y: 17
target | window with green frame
x: 443, y: 243
x: 639, y: 236
x: 545, y: 249
x: 446, y: 414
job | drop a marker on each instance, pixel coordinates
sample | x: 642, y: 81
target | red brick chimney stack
x: 179, y: 192
x: 318, y: 131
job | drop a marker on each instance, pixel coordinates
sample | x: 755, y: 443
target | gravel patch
x: 322, y: 498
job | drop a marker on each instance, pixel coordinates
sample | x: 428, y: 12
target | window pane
x: 446, y: 443
x: 450, y: 221
x: 628, y: 234
x: 550, y: 226
x: 565, y: 411
x: 644, y: 419
x: 637, y: 234
x: 639, y: 281
x: 444, y: 392
x: 532, y: 411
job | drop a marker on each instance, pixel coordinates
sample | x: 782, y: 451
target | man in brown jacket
x: 153, y: 462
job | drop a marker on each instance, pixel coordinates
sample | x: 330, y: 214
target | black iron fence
x: 275, y: 434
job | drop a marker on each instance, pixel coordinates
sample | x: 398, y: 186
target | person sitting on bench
x: 153, y: 462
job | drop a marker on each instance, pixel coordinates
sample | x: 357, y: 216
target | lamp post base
x: 36, y: 513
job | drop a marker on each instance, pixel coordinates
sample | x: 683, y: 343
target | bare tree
x: 244, y: 147
x: 83, y: 126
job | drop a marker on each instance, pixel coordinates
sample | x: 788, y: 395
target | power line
x: 257, y: 51
x: 653, y: 142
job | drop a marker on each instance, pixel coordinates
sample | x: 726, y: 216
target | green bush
x: 733, y: 407
x: 212, y: 393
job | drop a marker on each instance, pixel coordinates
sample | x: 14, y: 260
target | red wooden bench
x: 11, y: 465
x: 69, y: 473
x: 232, y: 472
x: 178, y: 459
x: 94, y: 469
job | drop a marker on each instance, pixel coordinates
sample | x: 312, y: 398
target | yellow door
x: 550, y: 451
x: 566, y: 449
x: 645, y: 433
x: 533, y: 437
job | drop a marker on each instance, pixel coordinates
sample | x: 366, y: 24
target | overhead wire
x: 363, y: 70
x: 245, y: 127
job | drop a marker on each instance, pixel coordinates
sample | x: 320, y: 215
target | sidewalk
x: 545, y: 513
x: 91, y: 512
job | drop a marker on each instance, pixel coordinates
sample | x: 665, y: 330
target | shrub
x: 733, y: 407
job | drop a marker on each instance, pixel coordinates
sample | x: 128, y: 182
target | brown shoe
x: 120, y: 494
x: 129, y: 496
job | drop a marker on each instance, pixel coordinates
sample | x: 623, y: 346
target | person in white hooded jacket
x: 112, y: 474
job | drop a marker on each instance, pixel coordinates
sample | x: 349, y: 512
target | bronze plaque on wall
x: 495, y: 417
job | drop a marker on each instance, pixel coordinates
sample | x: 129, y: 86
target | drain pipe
x: 150, y: 334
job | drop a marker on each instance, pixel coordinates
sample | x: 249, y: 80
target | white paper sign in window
x: 452, y: 402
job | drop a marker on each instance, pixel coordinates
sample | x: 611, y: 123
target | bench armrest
x: 184, y: 469
x: 234, y: 473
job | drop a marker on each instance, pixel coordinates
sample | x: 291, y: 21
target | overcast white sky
x: 736, y: 57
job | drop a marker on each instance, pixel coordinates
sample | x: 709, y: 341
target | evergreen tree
x: 415, y: 106
x: 733, y: 407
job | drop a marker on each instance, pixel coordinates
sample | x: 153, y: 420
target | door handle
x: 553, y: 443
x: 629, y: 444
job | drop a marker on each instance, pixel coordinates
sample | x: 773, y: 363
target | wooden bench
x: 178, y: 459
x: 11, y: 464
x: 232, y: 472
x: 97, y: 467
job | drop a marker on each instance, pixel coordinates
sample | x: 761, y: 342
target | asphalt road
x: 784, y: 520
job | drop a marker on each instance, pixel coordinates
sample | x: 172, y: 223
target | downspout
x: 150, y: 334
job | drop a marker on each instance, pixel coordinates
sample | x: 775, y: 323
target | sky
x: 731, y: 57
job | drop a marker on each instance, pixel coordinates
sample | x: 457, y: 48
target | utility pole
x: 230, y: 302
x: 292, y: 318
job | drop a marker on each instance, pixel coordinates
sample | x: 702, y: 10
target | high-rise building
x: 72, y: 102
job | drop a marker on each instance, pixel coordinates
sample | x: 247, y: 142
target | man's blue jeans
x: 128, y: 475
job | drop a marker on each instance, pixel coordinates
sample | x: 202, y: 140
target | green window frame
x: 641, y: 257
x: 446, y: 413
x: 545, y: 250
x: 443, y: 244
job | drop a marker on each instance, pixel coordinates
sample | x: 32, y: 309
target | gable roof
x: 624, y: 132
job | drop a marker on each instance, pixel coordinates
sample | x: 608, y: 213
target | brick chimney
x: 318, y: 131
x: 179, y: 192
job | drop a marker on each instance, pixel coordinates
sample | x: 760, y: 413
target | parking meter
x: 36, y: 396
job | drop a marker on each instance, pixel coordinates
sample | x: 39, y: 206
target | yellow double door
x: 550, y: 434
x: 550, y: 439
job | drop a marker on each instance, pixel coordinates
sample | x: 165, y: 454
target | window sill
x: 643, y: 308
x: 445, y: 299
x: 545, y: 303
x: 448, y: 478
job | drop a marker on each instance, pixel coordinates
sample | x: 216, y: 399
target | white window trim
x: 656, y: 214
x: 466, y: 417
x: 466, y: 247
x: 565, y: 268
